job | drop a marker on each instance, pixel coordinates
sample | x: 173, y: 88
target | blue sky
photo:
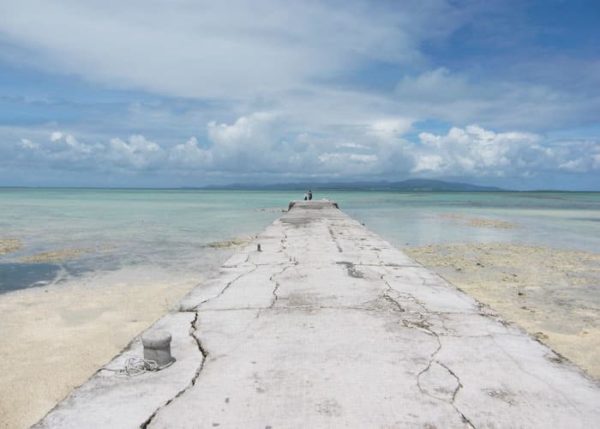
x: 190, y: 93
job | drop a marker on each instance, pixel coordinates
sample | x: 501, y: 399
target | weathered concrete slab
x: 330, y: 326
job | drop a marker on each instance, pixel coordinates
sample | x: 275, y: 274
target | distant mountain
x: 411, y: 185
x: 439, y: 185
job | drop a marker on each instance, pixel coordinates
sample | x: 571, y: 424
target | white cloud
x: 456, y: 97
x: 577, y: 156
x: 67, y: 147
x: 472, y: 151
x: 28, y: 144
x: 439, y: 84
x: 56, y: 136
x: 573, y: 165
x: 252, y: 128
x: 335, y: 158
x: 260, y: 145
x: 391, y: 128
x: 137, y: 152
x: 290, y: 62
x: 351, y: 145
x: 190, y: 154
x: 219, y: 49
x: 428, y: 163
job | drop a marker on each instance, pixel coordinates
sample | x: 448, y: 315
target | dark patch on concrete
x: 313, y: 205
x: 352, y: 270
x: 300, y: 300
x: 329, y: 407
x: 556, y: 358
x: 384, y: 304
x: 339, y: 248
x: 296, y: 221
x: 502, y: 395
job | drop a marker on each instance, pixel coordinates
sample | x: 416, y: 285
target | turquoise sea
x: 109, y: 229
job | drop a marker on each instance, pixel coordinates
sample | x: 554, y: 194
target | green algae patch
x: 478, y: 222
x: 9, y: 245
x: 60, y: 255
x: 227, y: 244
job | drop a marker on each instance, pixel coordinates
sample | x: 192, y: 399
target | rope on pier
x: 137, y: 366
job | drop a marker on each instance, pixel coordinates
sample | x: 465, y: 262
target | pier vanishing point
x: 326, y: 325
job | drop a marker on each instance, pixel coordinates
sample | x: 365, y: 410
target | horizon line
x: 251, y: 188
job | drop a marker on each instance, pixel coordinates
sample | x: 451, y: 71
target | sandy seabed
x: 54, y: 338
x: 553, y: 294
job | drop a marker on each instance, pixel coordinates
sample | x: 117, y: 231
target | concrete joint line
x: 227, y: 286
x: 335, y: 240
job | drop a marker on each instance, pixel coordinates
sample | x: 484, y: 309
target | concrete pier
x: 330, y: 326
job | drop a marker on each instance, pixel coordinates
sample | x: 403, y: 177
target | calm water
x: 171, y: 228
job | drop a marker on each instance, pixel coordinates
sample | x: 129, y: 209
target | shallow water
x: 108, y: 229
x: 562, y: 220
x: 12, y: 275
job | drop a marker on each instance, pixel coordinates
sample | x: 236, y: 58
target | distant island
x: 411, y: 185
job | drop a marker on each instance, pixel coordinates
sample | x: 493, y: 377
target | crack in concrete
x: 518, y: 364
x: 393, y: 302
x: 201, y: 349
x: 484, y: 312
x: 459, y: 386
x: 389, y: 265
x: 291, y: 263
x: 392, y: 297
x: 453, y: 374
x: 432, y: 359
x: 226, y: 265
x: 272, y: 279
x: 351, y: 268
x: 334, y: 238
x: 227, y: 286
x: 422, y: 324
x: 270, y: 265
x: 277, y: 285
x: 425, y: 326
x: 330, y: 307
x: 192, y: 382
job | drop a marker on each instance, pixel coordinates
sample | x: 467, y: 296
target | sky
x: 170, y: 93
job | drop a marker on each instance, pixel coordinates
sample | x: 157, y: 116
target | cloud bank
x: 275, y: 90
x: 259, y: 145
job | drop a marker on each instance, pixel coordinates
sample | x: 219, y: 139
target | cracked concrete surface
x: 330, y: 326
